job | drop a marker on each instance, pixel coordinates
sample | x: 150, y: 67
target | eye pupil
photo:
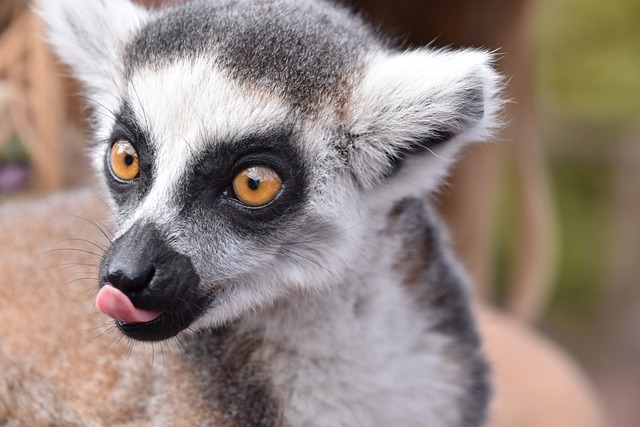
x: 128, y: 160
x: 253, y: 184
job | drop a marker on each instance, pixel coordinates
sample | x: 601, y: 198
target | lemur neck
x: 360, y: 322
x: 315, y: 316
x: 331, y: 357
x: 339, y: 349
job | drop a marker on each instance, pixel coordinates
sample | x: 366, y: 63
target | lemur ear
x: 413, y: 111
x: 89, y: 35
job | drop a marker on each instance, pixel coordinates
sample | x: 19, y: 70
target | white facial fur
x: 185, y: 107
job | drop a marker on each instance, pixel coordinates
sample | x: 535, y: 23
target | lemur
x: 270, y: 165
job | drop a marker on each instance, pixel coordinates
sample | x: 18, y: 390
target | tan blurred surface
x: 536, y: 383
x: 41, y: 109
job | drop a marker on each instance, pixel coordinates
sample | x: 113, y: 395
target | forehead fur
x: 304, y: 51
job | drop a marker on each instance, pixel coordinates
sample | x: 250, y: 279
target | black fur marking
x: 424, y: 146
x: 476, y: 401
x: 471, y: 111
x: 154, y: 277
x: 207, y: 191
x: 128, y: 194
x: 232, y: 378
x: 433, y: 282
x: 302, y: 50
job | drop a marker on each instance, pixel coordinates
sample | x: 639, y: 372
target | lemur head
x: 240, y: 140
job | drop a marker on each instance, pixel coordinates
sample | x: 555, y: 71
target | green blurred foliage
x: 588, y: 98
x: 582, y: 196
x: 588, y: 55
x: 13, y: 151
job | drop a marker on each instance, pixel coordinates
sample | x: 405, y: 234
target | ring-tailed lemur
x: 268, y: 163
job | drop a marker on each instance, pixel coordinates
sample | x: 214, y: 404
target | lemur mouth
x: 138, y: 323
x: 115, y: 304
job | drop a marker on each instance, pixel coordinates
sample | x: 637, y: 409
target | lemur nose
x: 130, y: 263
x: 130, y: 276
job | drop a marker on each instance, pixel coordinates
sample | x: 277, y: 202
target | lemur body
x: 268, y: 164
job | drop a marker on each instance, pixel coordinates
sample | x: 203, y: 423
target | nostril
x: 130, y: 278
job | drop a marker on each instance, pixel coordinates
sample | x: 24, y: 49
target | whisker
x: 188, y: 352
x: 162, y: 354
x: 297, y: 261
x: 95, y: 224
x: 153, y: 355
x: 115, y: 339
x: 101, y: 335
x: 63, y: 267
x: 72, y: 250
x: 329, y: 236
x: 308, y: 259
x: 193, y: 151
x: 80, y: 280
x: 102, y: 248
x: 144, y: 112
x: 129, y: 351
x: 114, y: 116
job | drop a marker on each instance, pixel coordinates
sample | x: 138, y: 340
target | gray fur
x: 228, y: 360
x: 433, y: 279
x: 264, y: 43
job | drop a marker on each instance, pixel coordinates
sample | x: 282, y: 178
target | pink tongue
x: 115, y: 304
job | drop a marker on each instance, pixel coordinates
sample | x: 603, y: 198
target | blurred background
x: 546, y: 218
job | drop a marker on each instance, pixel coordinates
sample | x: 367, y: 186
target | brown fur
x: 63, y: 364
x: 415, y: 255
x: 51, y: 343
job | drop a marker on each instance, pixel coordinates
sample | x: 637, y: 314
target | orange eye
x: 124, y: 161
x: 256, y: 186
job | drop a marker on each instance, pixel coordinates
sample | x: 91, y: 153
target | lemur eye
x: 256, y: 186
x: 123, y: 161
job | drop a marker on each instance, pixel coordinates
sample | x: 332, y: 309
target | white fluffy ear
x: 418, y: 109
x: 89, y: 36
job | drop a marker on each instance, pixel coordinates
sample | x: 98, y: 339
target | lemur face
x: 240, y: 140
x: 225, y: 200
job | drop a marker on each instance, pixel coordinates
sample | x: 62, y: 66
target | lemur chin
x: 269, y: 165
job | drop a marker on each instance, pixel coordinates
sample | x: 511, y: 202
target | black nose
x: 133, y: 262
x: 155, y: 277
x: 129, y: 275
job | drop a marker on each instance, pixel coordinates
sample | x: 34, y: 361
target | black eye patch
x: 128, y: 129
x: 206, y: 187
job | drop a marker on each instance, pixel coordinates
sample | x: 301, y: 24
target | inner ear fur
x: 421, y: 102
